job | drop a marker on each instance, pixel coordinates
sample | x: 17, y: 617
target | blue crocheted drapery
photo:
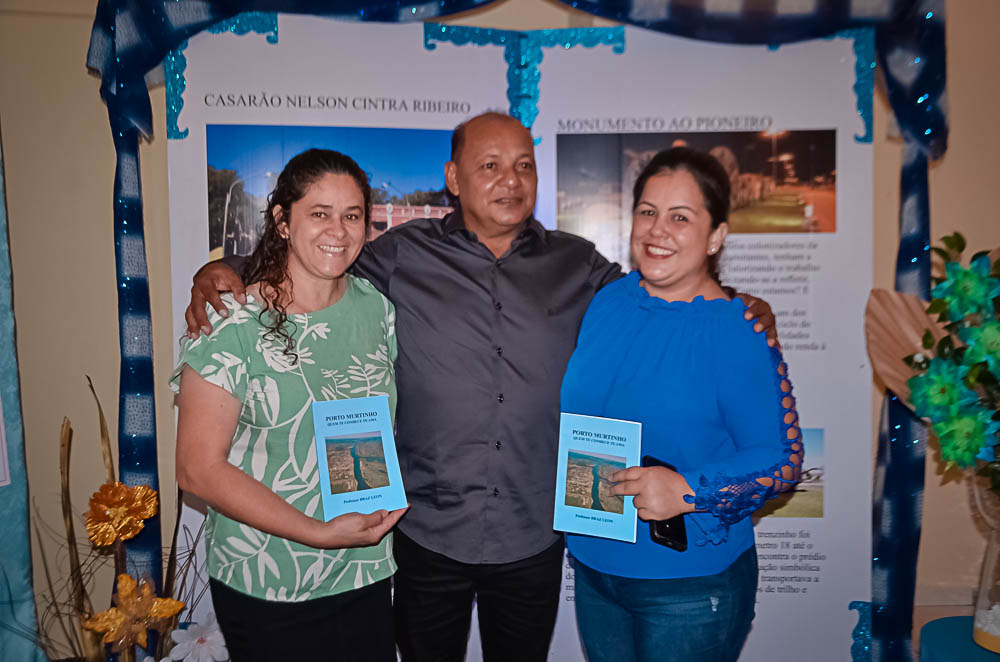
x: 131, y: 37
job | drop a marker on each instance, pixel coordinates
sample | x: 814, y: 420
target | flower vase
x: 986, y: 624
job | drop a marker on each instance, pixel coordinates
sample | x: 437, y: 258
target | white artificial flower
x: 199, y: 643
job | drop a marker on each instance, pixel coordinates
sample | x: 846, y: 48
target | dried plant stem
x: 80, y: 599
x: 119, y: 549
x: 187, y: 565
x: 170, y: 576
x: 109, y: 463
x: 72, y: 634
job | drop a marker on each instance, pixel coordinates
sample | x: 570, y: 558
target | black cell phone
x: 671, y: 532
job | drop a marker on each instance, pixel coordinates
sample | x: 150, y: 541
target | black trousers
x: 433, y: 600
x: 355, y: 626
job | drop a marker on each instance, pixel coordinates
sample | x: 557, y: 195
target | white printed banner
x: 783, y: 123
x: 371, y: 91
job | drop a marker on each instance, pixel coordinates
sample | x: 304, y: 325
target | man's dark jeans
x: 433, y: 599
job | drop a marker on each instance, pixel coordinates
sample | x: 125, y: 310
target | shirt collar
x: 453, y: 222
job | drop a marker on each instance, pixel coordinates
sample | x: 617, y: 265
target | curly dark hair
x: 708, y: 173
x: 268, y: 264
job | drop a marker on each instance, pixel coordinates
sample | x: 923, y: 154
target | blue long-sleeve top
x: 714, y: 401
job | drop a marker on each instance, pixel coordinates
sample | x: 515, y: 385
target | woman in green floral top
x: 285, y: 583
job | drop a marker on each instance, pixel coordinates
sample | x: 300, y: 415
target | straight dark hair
x: 709, y: 175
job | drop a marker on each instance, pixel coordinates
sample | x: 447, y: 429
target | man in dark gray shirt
x: 488, y: 306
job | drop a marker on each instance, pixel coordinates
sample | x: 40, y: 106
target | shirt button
x: 498, y: 444
x: 499, y: 351
x: 500, y: 398
x: 496, y: 492
x: 499, y: 263
x: 498, y: 305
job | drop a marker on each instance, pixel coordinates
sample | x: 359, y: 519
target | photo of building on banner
x: 404, y: 166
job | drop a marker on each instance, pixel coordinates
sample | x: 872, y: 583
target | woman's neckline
x: 644, y: 293
x: 259, y: 300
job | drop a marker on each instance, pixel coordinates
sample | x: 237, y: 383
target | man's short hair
x: 458, y: 135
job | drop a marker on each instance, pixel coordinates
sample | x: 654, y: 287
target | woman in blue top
x: 666, y: 346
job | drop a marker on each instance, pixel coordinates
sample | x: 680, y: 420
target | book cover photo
x: 591, y: 450
x: 356, y: 453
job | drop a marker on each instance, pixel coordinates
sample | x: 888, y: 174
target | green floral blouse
x: 344, y: 351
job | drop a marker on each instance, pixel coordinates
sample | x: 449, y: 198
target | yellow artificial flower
x: 117, y: 512
x: 136, y: 611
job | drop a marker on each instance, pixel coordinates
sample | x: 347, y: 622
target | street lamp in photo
x: 774, y: 135
x: 787, y: 161
x: 386, y: 185
x: 812, y: 164
x: 225, y: 212
x: 225, y: 209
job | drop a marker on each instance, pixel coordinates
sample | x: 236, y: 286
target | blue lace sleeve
x: 763, y: 466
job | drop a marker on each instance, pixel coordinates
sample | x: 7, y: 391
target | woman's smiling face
x: 672, y: 235
x: 325, y: 229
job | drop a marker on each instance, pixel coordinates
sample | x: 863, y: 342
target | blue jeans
x: 692, y: 619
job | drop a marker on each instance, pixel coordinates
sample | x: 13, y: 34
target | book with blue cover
x: 356, y: 452
x: 591, y: 449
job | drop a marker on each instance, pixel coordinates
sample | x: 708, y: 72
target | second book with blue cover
x: 591, y: 450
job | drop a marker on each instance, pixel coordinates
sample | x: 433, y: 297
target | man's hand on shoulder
x: 209, y: 283
x: 759, y: 311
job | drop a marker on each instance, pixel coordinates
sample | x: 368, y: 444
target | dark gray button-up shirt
x: 483, y: 344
